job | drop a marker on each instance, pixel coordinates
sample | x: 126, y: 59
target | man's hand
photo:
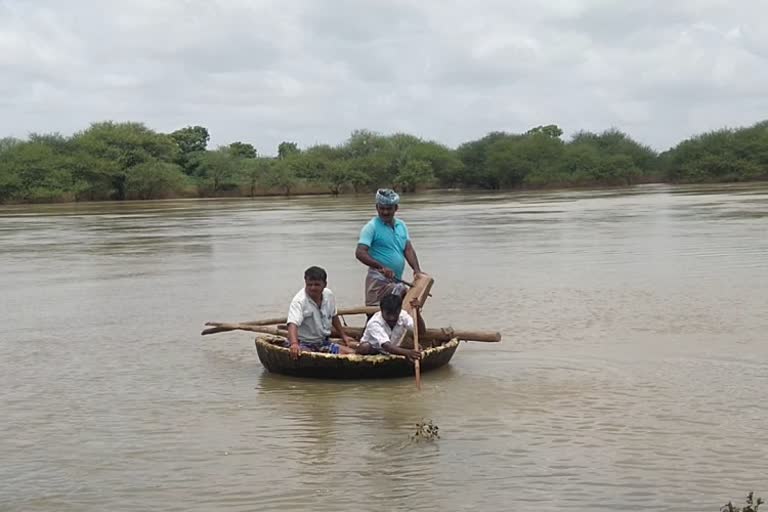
x: 412, y: 355
x: 388, y: 272
x: 349, y: 340
x: 415, y: 303
x: 418, y: 273
x: 295, y: 351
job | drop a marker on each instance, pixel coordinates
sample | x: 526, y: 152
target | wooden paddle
x: 439, y: 335
x: 362, y: 310
x: 416, y: 346
x: 406, y: 283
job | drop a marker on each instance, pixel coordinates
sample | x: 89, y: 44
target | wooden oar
x: 440, y: 335
x: 416, y: 346
x: 362, y: 310
x: 422, y: 285
x: 221, y: 326
x: 406, y: 283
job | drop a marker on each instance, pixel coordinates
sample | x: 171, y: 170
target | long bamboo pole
x: 362, y: 310
x: 416, y: 346
x: 441, y: 335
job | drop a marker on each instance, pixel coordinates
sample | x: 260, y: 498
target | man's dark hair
x: 391, y: 303
x: 315, y: 274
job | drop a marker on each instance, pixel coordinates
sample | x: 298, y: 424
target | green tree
x: 721, y: 155
x: 308, y: 166
x: 615, y: 142
x: 32, y: 171
x: 253, y: 172
x: 712, y: 168
x: 550, y: 130
x: 446, y: 166
x: 10, y: 157
x: 752, y: 144
x: 216, y: 171
x: 286, y: 149
x: 326, y: 152
x: 281, y: 176
x: 375, y: 167
x: 127, y: 145
x: 242, y: 150
x: 342, y: 175
x: 154, y: 180
x: 8, y: 143
x: 578, y: 163
x: 508, y: 160
x: 191, y: 139
x: 112, y: 160
x: 93, y: 177
x: 543, y: 153
x: 398, y: 149
x: 505, y: 165
x: 616, y: 170
x: 56, y: 141
x: 413, y: 174
x: 474, y: 157
x: 363, y: 143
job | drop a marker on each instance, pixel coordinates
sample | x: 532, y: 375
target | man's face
x: 386, y: 213
x: 314, y: 288
x: 390, y: 318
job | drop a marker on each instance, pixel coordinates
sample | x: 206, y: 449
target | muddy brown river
x: 632, y: 372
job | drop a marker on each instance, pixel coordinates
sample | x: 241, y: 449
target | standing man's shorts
x: 377, y: 286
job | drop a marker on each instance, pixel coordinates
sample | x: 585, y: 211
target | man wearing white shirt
x: 385, y: 329
x: 311, y: 316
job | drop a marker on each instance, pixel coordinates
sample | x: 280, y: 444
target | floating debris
x: 752, y: 505
x: 426, y: 431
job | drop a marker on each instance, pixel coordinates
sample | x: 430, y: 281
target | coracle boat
x: 437, y: 346
x: 277, y: 359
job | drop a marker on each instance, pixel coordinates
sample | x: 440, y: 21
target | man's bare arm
x: 411, y: 258
x: 361, y: 253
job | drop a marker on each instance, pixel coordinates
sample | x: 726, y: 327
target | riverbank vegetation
x: 117, y: 161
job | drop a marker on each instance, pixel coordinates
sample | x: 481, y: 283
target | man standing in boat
x: 311, y: 315
x: 384, y: 246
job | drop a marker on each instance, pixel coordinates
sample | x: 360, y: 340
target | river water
x: 632, y: 372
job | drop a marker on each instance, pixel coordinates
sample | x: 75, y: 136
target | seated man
x: 311, y: 314
x: 385, y: 329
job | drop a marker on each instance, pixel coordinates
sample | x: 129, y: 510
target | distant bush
x: 127, y: 160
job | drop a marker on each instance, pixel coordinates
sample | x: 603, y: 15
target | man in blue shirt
x: 384, y: 246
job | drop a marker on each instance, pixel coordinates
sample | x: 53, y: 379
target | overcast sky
x: 312, y: 71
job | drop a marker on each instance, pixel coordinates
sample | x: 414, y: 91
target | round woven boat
x: 277, y: 359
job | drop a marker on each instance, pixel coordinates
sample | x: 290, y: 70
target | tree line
x: 117, y: 161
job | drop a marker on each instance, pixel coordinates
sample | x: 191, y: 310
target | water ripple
x: 631, y: 374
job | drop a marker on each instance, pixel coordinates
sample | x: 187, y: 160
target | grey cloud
x: 352, y: 21
x: 312, y: 71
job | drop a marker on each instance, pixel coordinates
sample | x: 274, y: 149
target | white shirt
x: 314, y: 323
x: 378, y: 332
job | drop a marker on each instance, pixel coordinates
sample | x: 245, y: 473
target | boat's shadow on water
x: 384, y: 405
x: 274, y: 382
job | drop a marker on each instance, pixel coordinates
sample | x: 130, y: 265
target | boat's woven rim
x: 264, y: 340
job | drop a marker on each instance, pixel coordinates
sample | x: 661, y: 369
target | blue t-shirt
x: 386, y: 244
